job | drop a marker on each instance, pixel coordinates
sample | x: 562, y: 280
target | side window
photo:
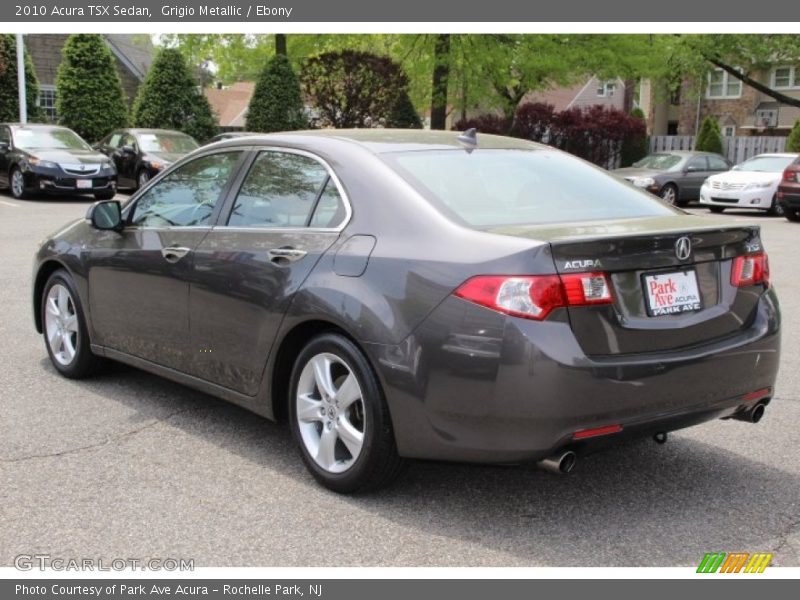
x: 113, y: 141
x: 127, y: 140
x: 715, y: 163
x: 186, y: 197
x: 330, y: 211
x: 698, y: 163
x: 5, y: 135
x: 280, y: 190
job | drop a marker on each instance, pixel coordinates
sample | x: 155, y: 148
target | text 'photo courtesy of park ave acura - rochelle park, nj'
x: 378, y: 300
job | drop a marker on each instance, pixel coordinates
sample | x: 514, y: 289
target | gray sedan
x: 675, y: 176
x: 403, y: 294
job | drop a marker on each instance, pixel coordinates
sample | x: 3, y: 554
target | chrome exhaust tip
x: 562, y: 463
x: 754, y: 415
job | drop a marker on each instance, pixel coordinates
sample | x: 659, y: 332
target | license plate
x: 83, y: 184
x: 672, y: 293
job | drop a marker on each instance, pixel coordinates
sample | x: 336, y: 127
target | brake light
x: 789, y: 175
x: 536, y: 296
x: 750, y: 270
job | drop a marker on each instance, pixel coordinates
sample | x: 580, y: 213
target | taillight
x: 750, y: 270
x: 789, y: 175
x: 536, y: 296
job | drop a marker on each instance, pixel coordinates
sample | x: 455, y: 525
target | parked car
x: 751, y: 184
x: 140, y: 154
x: 789, y: 191
x: 229, y: 135
x: 675, y: 176
x: 408, y: 294
x: 49, y: 159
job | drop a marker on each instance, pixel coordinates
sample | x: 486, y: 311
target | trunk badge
x: 683, y: 248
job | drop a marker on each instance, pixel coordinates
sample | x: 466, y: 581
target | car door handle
x: 279, y: 255
x: 173, y: 254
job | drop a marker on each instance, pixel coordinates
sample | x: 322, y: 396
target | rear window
x: 517, y: 187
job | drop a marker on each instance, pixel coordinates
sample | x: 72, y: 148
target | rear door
x: 139, y: 278
x: 288, y: 210
x: 664, y: 298
x: 695, y: 174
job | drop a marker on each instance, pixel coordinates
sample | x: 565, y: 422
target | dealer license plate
x: 672, y: 293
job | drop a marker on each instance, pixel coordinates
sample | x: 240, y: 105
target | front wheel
x: 340, y: 419
x: 669, y: 194
x: 17, y: 184
x: 64, y: 328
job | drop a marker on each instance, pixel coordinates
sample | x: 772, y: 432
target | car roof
x: 387, y: 140
x: 687, y: 153
x: 137, y: 130
x: 34, y: 126
x: 777, y: 155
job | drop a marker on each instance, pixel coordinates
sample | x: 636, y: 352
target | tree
x: 9, y: 90
x: 709, y: 138
x: 276, y: 104
x: 352, y: 88
x: 635, y: 146
x: 404, y: 115
x: 793, y: 141
x: 89, y: 96
x: 441, y: 76
x: 169, y: 98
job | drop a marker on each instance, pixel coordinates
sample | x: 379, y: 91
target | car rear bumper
x: 789, y: 196
x: 473, y: 385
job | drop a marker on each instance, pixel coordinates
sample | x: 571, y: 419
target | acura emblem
x: 683, y: 248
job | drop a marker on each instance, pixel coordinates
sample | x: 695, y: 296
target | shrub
x: 486, y: 123
x: 533, y: 121
x: 352, y: 88
x: 636, y: 146
x: 9, y: 92
x: 170, y: 98
x: 404, y: 115
x: 276, y: 104
x: 89, y: 96
x: 709, y: 138
x: 793, y: 141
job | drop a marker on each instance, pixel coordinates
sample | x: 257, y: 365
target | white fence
x: 735, y: 149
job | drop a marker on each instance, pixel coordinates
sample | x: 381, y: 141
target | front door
x: 287, y: 213
x: 139, y: 278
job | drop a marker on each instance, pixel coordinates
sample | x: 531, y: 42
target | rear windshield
x: 167, y: 142
x: 767, y: 164
x: 517, y: 187
x: 658, y: 161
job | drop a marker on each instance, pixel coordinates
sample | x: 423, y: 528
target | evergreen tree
x: 404, y: 115
x: 793, y: 141
x: 709, y: 138
x: 276, y: 104
x: 170, y: 98
x: 9, y: 91
x: 89, y: 96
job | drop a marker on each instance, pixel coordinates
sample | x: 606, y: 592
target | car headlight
x: 45, y: 164
x: 759, y: 185
x: 643, y: 182
x: 107, y: 166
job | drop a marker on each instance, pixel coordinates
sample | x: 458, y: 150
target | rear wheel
x: 64, y: 328
x: 17, y: 184
x: 776, y: 208
x: 716, y: 209
x: 669, y: 194
x: 340, y: 419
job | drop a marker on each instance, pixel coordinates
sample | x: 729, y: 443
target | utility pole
x: 23, y: 104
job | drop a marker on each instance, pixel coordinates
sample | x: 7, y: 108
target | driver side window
x: 187, y: 196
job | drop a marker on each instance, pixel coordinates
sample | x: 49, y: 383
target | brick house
x: 133, y: 55
x: 740, y: 109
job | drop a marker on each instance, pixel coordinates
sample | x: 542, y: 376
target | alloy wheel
x: 668, y: 195
x: 61, y: 324
x: 17, y: 184
x: 330, y: 412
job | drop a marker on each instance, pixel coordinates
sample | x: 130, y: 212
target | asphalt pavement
x: 130, y: 465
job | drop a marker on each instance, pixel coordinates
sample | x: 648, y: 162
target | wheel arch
x: 46, y: 269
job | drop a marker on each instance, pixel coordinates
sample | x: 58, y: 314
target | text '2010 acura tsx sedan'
x: 399, y: 294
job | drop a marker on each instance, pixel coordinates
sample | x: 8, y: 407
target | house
x: 133, y: 55
x: 739, y: 109
x: 610, y: 93
x: 230, y: 104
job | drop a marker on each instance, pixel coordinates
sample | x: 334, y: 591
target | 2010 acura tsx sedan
x: 400, y: 294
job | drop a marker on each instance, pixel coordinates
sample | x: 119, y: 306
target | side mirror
x: 128, y: 149
x: 5, y: 147
x: 105, y: 215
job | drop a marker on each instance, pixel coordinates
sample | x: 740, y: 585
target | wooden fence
x: 735, y: 149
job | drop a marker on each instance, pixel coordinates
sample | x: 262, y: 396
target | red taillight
x: 589, y: 433
x: 536, y: 296
x: 790, y: 175
x: 750, y: 270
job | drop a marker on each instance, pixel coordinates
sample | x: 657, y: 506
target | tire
x: 716, y: 209
x: 669, y: 194
x: 64, y: 328
x: 16, y: 183
x: 791, y: 214
x: 104, y: 195
x: 776, y: 208
x: 345, y: 434
x: 142, y: 177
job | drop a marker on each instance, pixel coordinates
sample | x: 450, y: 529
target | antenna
x: 469, y: 139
